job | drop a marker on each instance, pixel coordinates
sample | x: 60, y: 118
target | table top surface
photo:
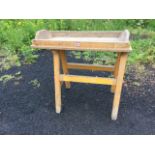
x: 116, y: 41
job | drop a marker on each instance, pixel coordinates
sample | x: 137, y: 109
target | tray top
x: 83, y: 40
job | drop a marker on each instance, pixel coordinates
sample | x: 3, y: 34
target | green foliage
x: 7, y: 59
x: 35, y: 83
x: 7, y: 77
x: 143, y: 51
x: 142, y: 23
x: 16, y: 36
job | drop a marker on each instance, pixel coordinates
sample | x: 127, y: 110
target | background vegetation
x: 16, y: 36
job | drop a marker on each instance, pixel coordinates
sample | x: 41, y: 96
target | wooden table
x: 103, y: 41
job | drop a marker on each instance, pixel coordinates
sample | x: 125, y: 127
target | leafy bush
x: 16, y: 36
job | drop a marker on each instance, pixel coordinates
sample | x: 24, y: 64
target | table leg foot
x: 58, y: 110
x: 114, y: 114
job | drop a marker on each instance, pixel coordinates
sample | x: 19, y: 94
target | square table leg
x: 57, y: 83
x: 118, y: 87
x: 64, y: 66
x: 116, y: 71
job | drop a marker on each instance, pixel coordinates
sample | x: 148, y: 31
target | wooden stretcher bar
x: 59, y: 42
x: 87, y: 79
x: 92, y: 67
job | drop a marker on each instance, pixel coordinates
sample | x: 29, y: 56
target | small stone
x: 136, y: 83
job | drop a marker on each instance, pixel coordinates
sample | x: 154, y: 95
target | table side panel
x: 72, y: 45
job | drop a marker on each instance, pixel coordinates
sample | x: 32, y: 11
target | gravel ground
x: 27, y: 103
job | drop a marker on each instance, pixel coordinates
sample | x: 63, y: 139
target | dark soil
x: 26, y: 109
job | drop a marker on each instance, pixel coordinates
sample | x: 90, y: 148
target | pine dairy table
x: 104, y: 41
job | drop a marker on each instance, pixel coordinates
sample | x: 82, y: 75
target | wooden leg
x: 56, y: 62
x: 119, y: 82
x: 115, y: 72
x: 64, y: 66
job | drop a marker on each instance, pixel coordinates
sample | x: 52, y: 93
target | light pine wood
x: 87, y: 79
x: 56, y: 62
x: 72, y: 40
x: 116, y: 71
x: 59, y: 42
x: 86, y: 39
x: 64, y: 66
x: 52, y: 34
x: 119, y: 82
x: 92, y: 67
x: 125, y: 35
x: 73, y: 45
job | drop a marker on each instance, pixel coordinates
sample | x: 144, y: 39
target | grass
x: 35, y: 83
x: 7, y: 77
x: 16, y: 36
